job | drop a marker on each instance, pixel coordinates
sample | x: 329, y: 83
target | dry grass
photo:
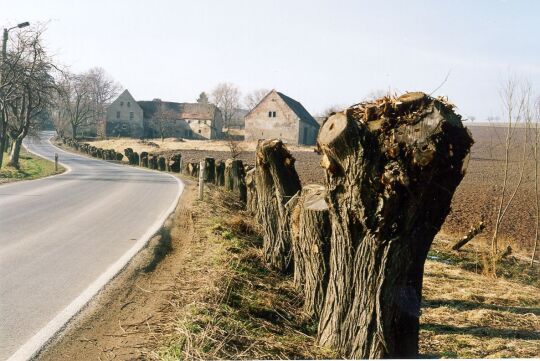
x: 467, y: 315
x: 248, y: 311
x: 119, y: 144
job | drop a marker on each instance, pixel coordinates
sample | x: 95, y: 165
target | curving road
x: 63, y: 237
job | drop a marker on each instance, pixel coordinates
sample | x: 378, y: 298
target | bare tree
x: 514, y: 98
x: 252, y: 99
x: 226, y: 97
x: 75, y: 103
x: 17, y: 53
x: 536, y: 178
x: 32, y: 94
x: 102, y: 90
x: 162, y: 119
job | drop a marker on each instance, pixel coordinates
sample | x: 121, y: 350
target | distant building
x: 279, y: 116
x: 128, y: 118
x: 183, y: 120
x: 124, y: 117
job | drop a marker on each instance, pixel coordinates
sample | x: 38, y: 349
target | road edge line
x: 36, y: 343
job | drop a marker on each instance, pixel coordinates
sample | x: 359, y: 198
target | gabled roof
x: 126, y: 95
x: 294, y: 105
x: 299, y: 110
x: 182, y: 110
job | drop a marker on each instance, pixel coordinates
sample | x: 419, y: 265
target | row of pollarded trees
x: 357, y: 245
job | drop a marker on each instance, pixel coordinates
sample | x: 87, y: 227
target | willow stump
x: 209, y: 170
x: 311, y: 247
x: 234, y: 177
x: 220, y: 173
x: 251, y: 190
x: 144, y: 155
x: 162, y: 164
x: 277, y: 182
x: 193, y: 169
x: 175, y: 163
x: 391, y: 169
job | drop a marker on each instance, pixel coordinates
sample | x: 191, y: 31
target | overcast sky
x: 319, y: 52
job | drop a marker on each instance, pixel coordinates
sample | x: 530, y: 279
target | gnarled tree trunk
x: 220, y: 173
x: 311, y: 246
x: 235, y: 178
x: 251, y: 190
x: 209, y: 170
x: 392, y: 166
x: 277, y: 182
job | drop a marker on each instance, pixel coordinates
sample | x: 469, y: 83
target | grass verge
x: 247, y: 311
x: 31, y: 167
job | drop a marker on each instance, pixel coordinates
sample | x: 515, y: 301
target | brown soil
x: 475, y: 198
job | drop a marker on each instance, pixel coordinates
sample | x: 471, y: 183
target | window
x: 199, y: 131
x: 273, y: 114
x: 189, y: 121
x: 124, y: 126
x: 118, y: 115
x: 121, y: 104
x: 269, y: 114
x: 199, y: 123
x: 129, y: 104
x: 130, y: 115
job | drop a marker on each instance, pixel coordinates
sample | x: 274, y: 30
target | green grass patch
x: 31, y: 167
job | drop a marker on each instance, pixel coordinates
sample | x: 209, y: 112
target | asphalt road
x: 63, y: 237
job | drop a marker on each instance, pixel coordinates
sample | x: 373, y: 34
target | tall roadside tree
x: 75, y: 105
x: 103, y: 88
x: 17, y: 53
x: 226, y: 97
x: 32, y: 95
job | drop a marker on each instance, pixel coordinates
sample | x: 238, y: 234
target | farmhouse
x: 279, y: 116
x: 129, y: 118
x: 183, y: 120
x: 124, y: 117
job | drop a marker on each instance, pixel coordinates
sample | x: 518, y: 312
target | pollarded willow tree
x: 277, y: 183
x: 392, y: 166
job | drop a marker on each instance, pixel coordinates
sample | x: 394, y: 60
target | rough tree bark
x: 277, y: 182
x: 220, y: 173
x: 391, y: 169
x: 251, y: 190
x: 235, y: 178
x: 144, y: 155
x: 209, y: 170
x: 311, y: 247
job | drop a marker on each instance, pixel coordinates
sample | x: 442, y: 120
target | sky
x: 321, y: 53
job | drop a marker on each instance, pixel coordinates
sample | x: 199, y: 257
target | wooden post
x: 56, y: 162
x: 201, y: 179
